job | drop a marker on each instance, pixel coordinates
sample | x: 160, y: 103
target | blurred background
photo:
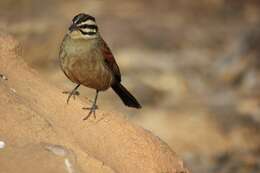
x: 194, y: 66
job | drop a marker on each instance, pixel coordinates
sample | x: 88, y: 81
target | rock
x: 34, y: 112
x: 38, y: 158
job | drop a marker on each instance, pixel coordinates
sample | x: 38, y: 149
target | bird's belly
x: 88, y: 71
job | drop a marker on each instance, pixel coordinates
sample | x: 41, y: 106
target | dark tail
x: 126, y: 96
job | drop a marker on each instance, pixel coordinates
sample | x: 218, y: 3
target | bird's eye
x: 87, y: 26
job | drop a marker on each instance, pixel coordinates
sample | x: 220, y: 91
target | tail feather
x: 126, y: 96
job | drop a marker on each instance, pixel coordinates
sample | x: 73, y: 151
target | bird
x: 86, y: 59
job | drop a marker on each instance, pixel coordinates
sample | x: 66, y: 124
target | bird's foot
x: 92, y: 110
x: 72, y: 93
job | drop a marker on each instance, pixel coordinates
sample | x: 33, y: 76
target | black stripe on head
x: 88, y: 33
x: 82, y: 17
x: 86, y: 26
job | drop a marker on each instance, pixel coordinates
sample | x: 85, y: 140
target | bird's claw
x: 89, y: 108
x: 92, y: 110
x: 71, y: 93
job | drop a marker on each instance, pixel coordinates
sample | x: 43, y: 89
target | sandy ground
x: 194, y: 66
x: 44, y: 134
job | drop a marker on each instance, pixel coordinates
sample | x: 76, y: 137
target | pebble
x: 2, y: 144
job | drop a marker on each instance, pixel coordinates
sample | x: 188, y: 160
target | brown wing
x: 110, y: 61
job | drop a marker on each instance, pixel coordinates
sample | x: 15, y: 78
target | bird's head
x: 83, y: 27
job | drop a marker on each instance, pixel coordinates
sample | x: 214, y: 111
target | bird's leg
x: 88, y: 108
x: 92, y: 108
x: 73, y: 93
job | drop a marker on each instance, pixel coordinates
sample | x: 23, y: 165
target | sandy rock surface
x: 41, y: 132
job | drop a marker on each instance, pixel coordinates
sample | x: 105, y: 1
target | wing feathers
x: 110, y: 61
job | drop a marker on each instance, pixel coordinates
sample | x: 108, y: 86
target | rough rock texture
x: 39, y: 128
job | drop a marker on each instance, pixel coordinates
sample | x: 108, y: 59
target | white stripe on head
x: 88, y: 22
x: 89, y: 30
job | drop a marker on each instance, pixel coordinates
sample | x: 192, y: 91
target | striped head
x: 83, y: 27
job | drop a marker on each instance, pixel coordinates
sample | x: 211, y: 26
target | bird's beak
x: 73, y: 27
